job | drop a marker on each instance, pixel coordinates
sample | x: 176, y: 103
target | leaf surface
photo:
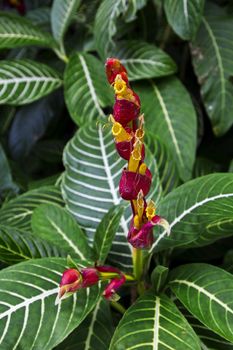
x: 16, y: 31
x: 154, y: 323
x: 86, y: 89
x: 212, y: 50
x: 143, y: 60
x: 175, y: 123
x: 24, y: 81
x: 184, y: 16
x: 199, y: 212
x: 206, y: 291
x: 55, y: 225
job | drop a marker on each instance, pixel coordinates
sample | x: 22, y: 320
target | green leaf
x: 230, y: 170
x: 199, y: 211
x: 210, y: 340
x: 211, y: 50
x: 93, y: 333
x: 40, y: 16
x: 204, y: 166
x: 61, y: 16
x: 17, y: 212
x: 29, y: 318
x: 206, y: 291
x: 175, y: 123
x: 105, y: 233
x: 54, y: 224
x: 90, y: 185
x: 105, y: 24
x: 16, y: 31
x: 6, y: 181
x: 184, y: 16
x: 86, y: 89
x: 143, y: 60
x: 168, y: 172
x: 159, y: 277
x: 154, y: 322
x: 24, y: 81
x: 16, y: 246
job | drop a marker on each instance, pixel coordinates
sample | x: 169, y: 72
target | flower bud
x: 90, y: 277
x: 131, y: 183
x: 71, y: 281
x: 110, y: 291
x: 113, y: 68
x: 125, y: 111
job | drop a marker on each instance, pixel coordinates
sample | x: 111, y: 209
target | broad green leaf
x: 154, y: 323
x: 93, y: 333
x: 55, y: 225
x: 133, y: 7
x: 175, y: 123
x: 24, y: 81
x: 184, y: 16
x: 61, y: 16
x: 105, y: 233
x: 210, y: 340
x: 206, y: 291
x: 90, y: 185
x: 17, y: 212
x: 16, y: 246
x: 159, y: 277
x: 199, y: 211
x: 86, y: 89
x: 211, y: 51
x: 105, y: 24
x: 41, y: 17
x: 143, y: 60
x: 168, y: 172
x: 28, y: 317
x: 6, y: 181
x: 16, y: 31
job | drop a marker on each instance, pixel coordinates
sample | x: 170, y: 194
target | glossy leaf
x: 184, y: 16
x: 209, y: 339
x: 93, y: 333
x: 105, y: 233
x: 29, y: 318
x: 105, y: 25
x: 16, y: 246
x: 143, y: 60
x: 211, y: 51
x: 154, y: 322
x: 86, y: 89
x: 205, y: 290
x: 54, y: 224
x: 175, y: 123
x: 17, y: 212
x: 24, y: 81
x: 16, y: 31
x: 90, y: 185
x: 159, y: 277
x: 199, y: 211
x: 61, y: 16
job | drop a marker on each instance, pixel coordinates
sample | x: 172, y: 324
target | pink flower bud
x: 112, y: 287
x: 125, y: 111
x: 132, y: 183
x: 90, y: 277
x: 71, y: 281
x: 142, y: 238
x: 114, y: 67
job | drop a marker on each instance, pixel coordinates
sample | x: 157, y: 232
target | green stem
x: 61, y: 55
x: 138, y: 269
x: 117, y: 306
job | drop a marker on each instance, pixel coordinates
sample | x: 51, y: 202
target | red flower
x: 131, y: 183
x: 112, y: 287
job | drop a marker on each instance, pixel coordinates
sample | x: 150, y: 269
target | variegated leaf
x: 24, y: 81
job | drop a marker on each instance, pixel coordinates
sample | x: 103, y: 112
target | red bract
x: 125, y: 111
x: 142, y: 238
x: 114, y: 67
x: 90, y: 277
x: 112, y: 287
x: 131, y: 183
